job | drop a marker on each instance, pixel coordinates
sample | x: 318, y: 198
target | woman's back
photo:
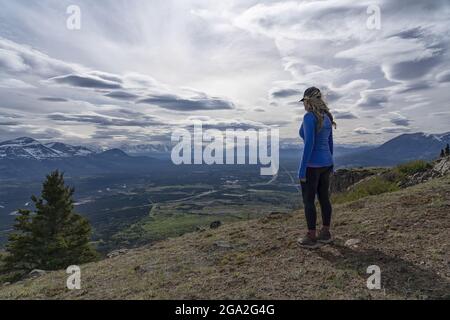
x: 318, y: 151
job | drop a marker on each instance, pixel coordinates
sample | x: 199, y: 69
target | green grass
x: 412, y: 167
x: 372, y: 186
x: 387, y: 182
x: 162, y: 226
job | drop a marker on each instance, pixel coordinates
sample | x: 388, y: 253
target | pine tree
x: 442, y: 153
x: 447, y: 150
x: 53, y: 237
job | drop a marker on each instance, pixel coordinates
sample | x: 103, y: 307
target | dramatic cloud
x: 397, y: 119
x: 373, y: 99
x: 173, y: 102
x: 365, y: 131
x: 144, y: 121
x: 223, y: 124
x: 341, y: 114
x: 8, y: 123
x: 86, y: 82
x: 53, y: 99
x: 285, y: 93
x: 122, y: 95
x: 17, y: 58
x: 15, y: 84
x: 443, y: 76
x: 136, y: 70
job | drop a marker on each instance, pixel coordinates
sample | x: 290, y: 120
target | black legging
x: 317, y: 181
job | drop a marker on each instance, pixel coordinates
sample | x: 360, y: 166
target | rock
x: 145, y: 268
x: 200, y: 229
x: 342, y: 179
x: 276, y: 215
x: 215, y: 224
x: 6, y: 284
x: 223, y: 245
x: 36, y: 273
x: 117, y: 253
x: 352, y: 242
x: 436, y: 169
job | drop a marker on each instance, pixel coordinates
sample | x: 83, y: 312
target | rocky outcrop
x: 342, y: 179
x: 36, y: 273
x: 439, y: 168
x: 117, y: 253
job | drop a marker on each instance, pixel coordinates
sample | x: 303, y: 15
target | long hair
x: 316, y: 105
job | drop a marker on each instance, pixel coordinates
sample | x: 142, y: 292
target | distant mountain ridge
x: 29, y: 148
x: 27, y: 158
x: 404, y: 148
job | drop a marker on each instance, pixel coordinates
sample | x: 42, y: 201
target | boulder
x: 36, y: 273
x: 223, y: 245
x: 352, y: 242
x: 215, y: 224
x: 117, y: 253
x: 200, y: 229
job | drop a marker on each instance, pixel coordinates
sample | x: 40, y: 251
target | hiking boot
x: 324, y: 236
x: 308, y: 242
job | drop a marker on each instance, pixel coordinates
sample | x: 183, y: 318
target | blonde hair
x: 318, y: 106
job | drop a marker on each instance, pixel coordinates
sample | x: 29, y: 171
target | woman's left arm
x: 309, y: 130
x: 330, y: 141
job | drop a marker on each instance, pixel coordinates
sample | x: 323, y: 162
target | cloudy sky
x: 138, y: 69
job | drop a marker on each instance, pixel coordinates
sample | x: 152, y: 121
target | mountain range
x: 28, y: 158
x: 403, y: 148
x: 28, y: 148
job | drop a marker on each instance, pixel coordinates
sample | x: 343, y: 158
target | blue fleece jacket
x: 318, y: 150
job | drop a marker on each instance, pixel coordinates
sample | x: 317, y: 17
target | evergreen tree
x: 447, y: 150
x: 442, y: 153
x: 53, y: 237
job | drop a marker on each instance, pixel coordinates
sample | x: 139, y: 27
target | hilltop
x: 404, y: 232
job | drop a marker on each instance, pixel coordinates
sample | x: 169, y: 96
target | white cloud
x: 15, y: 84
x: 228, y: 61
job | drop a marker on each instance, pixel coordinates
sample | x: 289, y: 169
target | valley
x: 129, y: 210
x: 140, y: 197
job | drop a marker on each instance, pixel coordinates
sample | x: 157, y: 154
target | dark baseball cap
x: 310, y: 92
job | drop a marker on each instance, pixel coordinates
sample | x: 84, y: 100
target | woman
x: 316, y: 166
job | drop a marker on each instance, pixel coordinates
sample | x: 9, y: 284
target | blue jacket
x: 318, y: 151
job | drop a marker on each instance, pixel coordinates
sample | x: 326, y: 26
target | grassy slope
x: 404, y: 232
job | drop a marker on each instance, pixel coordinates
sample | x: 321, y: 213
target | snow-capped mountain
x: 143, y: 148
x: 66, y: 150
x: 28, y: 148
x: 152, y: 150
